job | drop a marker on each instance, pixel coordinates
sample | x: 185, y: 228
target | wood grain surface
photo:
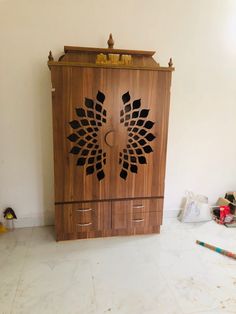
x: 72, y: 85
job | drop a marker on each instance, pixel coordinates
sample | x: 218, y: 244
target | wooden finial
x: 50, y: 57
x: 110, y: 42
x: 170, y: 63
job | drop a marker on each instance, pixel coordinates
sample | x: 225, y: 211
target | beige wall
x: 198, y: 34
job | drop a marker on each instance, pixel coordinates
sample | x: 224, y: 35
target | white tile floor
x: 152, y: 274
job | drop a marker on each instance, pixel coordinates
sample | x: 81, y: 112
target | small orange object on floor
x: 2, y: 228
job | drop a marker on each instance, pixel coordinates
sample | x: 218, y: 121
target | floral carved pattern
x: 86, y: 129
x: 135, y: 121
x: 88, y: 125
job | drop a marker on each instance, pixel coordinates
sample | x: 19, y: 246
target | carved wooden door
x: 110, y: 129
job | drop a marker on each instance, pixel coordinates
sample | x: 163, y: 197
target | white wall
x: 199, y: 35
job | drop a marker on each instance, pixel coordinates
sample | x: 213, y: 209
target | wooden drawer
x: 137, y: 220
x: 83, y: 217
x: 137, y: 205
x: 87, y: 217
x: 92, y: 216
x: 141, y: 213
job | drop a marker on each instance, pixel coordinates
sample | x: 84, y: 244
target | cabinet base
x: 107, y: 233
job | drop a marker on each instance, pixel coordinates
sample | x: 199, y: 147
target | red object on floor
x: 224, y: 210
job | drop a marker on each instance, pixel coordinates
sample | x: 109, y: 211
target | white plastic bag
x: 196, y: 208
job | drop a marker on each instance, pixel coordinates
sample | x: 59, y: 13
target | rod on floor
x: 217, y: 249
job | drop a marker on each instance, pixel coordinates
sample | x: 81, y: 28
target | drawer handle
x: 138, y: 206
x: 85, y: 225
x: 138, y: 220
x: 84, y: 210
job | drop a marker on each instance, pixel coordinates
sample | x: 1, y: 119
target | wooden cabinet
x: 110, y: 119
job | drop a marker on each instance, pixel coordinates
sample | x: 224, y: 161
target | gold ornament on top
x: 114, y: 58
